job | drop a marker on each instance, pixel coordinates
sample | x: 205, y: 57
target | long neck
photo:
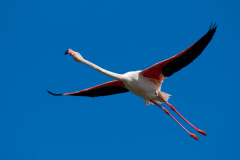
x: 106, y: 72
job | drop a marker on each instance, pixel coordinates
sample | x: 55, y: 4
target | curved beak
x: 66, y: 52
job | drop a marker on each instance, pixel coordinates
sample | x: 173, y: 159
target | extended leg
x: 166, y: 111
x: 200, y: 131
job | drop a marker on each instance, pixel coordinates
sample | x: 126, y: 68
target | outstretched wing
x: 105, y: 89
x: 177, y: 62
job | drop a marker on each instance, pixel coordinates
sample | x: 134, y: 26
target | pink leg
x: 200, y: 131
x: 166, y: 111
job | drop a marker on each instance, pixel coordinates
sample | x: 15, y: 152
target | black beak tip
x: 66, y: 52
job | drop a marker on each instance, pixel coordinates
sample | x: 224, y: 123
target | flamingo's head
x: 76, y: 56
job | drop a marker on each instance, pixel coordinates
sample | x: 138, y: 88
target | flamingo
x: 147, y: 83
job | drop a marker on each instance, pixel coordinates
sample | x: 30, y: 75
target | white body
x: 140, y: 85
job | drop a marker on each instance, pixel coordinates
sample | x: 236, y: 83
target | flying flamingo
x: 146, y: 83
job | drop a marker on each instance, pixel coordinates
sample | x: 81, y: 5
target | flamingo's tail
x: 164, y: 97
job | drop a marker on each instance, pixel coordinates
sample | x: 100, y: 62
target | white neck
x: 106, y: 72
x: 78, y: 58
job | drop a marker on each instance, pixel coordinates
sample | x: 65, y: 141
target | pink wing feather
x: 177, y: 62
x: 108, y: 88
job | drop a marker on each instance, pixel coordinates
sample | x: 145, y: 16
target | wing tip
x: 213, y: 26
x: 54, y: 93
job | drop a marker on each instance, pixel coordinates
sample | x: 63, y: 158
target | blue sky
x: 120, y: 36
